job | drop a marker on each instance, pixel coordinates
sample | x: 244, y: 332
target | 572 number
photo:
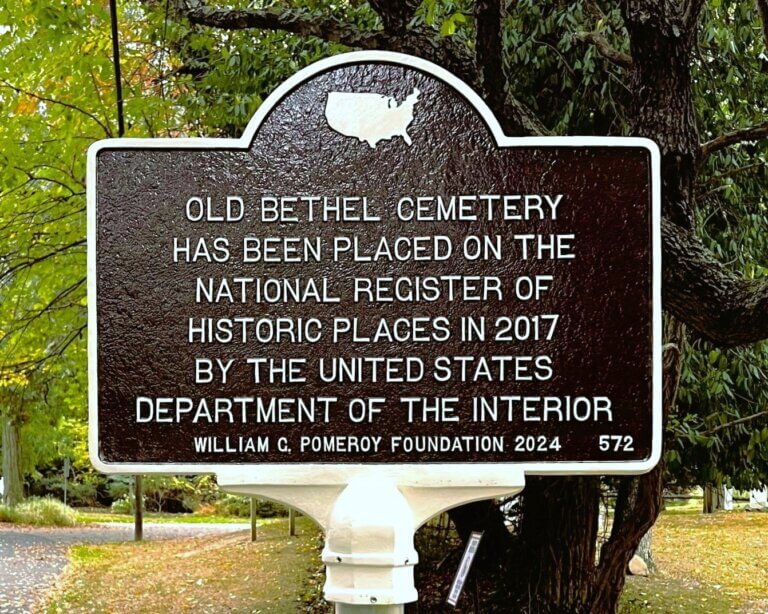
x: 616, y: 443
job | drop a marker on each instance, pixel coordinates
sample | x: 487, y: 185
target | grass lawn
x: 710, y: 564
x: 707, y: 563
x: 91, y: 516
x: 213, y: 574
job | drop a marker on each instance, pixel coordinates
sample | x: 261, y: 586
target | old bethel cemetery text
x: 387, y: 340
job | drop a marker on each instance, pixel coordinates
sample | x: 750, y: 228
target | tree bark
x: 395, y: 14
x: 12, y: 473
x: 483, y: 516
x: 558, y: 533
x: 645, y: 550
x: 713, y: 499
x: 708, y: 504
x: 719, y: 305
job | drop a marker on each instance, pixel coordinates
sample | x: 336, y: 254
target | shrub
x: 269, y: 509
x: 231, y: 505
x: 123, y: 505
x: 7, y: 514
x: 171, y: 494
x: 83, y: 486
x: 240, y: 507
x: 39, y: 511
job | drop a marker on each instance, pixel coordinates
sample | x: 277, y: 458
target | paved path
x: 32, y: 558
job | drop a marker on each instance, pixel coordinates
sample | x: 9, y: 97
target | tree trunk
x: 645, y: 550
x: 483, y: 516
x: 12, y: 474
x: 550, y: 567
x: 558, y: 532
x: 713, y: 499
x: 708, y: 503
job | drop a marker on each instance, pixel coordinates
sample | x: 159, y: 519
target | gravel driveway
x: 32, y: 558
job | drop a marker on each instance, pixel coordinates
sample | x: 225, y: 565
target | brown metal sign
x: 374, y: 273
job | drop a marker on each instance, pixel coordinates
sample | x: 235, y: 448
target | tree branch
x: 604, y: 48
x: 638, y: 503
x: 518, y: 120
x: 742, y: 420
x: 395, y: 14
x: 762, y: 9
x: 301, y: 22
x: 594, y: 10
x: 714, y: 179
x: 30, y: 261
x: 752, y: 133
x: 24, y: 322
x: 514, y: 116
x: 416, y: 41
x: 700, y: 291
x: 48, y: 100
x: 58, y: 350
x: 488, y: 51
x: 691, y: 12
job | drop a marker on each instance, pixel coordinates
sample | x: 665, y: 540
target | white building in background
x: 758, y: 499
x: 727, y: 499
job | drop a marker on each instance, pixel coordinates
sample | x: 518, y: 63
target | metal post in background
x: 138, y: 521
x: 66, y: 477
x: 254, y: 526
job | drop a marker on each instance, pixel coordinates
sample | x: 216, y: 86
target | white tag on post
x: 473, y: 543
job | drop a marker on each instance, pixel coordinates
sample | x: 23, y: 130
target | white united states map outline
x: 371, y: 117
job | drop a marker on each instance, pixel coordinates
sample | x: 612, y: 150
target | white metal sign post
x: 373, y: 307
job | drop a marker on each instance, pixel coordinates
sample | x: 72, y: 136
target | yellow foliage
x: 26, y: 105
x: 13, y: 379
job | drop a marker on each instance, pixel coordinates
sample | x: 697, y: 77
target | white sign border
x: 424, y: 474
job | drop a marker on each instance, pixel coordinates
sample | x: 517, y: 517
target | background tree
x: 57, y: 95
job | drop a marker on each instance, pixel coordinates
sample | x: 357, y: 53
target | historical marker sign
x: 375, y: 274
